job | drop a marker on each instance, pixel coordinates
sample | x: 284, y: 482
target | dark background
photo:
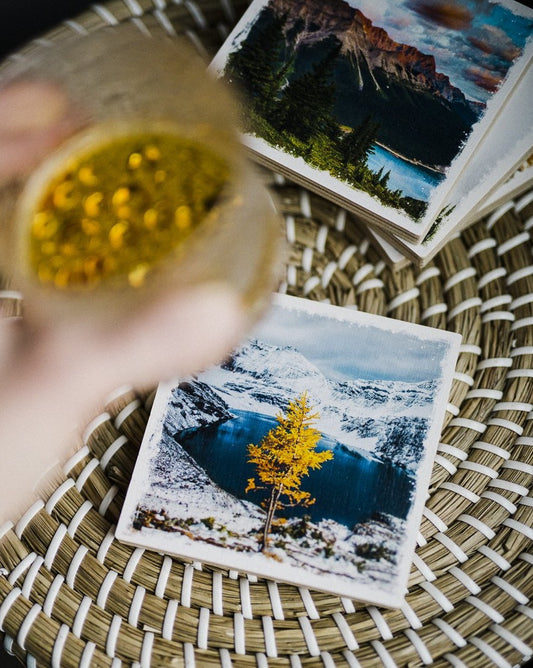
x: 21, y: 21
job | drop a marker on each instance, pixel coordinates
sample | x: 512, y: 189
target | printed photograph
x: 304, y: 457
x: 376, y: 98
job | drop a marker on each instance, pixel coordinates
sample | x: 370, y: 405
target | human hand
x: 53, y: 377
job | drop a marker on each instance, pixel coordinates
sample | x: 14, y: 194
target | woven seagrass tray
x: 72, y: 595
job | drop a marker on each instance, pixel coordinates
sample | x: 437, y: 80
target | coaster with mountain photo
x: 378, y: 106
x: 304, y: 457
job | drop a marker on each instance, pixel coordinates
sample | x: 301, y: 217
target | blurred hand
x: 51, y: 380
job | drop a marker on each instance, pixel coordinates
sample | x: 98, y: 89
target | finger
x: 34, y: 118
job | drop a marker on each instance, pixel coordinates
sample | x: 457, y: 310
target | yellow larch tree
x: 283, y: 457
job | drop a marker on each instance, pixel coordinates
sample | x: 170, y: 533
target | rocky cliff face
x: 421, y: 114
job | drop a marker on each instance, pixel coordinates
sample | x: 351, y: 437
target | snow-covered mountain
x: 389, y: 418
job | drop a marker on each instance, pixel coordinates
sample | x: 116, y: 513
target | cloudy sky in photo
x: 474, y: 42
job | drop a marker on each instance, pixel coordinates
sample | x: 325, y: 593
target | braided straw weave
x: 72, y: 595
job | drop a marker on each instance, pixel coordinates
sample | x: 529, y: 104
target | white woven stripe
x: 496, y: 215
x: 501, y: 500
x: 75, y: 564
x: 345, y: 631
x: 485, y: 608
x: 525, y: 650
x: 434, y: 309
x: 203, y: 628
x: 524, y: 440
x: 78, y: 518
x: 328, y: 273
x: 386, y: 658
x: 23, y: 522
x: 473, y: 302
x: 427, y: 274
x: 108, y: 500
x: 490, y: 653
x: 321, y: 239
x: 420, y: 646
x: 520, y: 373
x: 522, y: 323
x: 484, y: 393
x: 26, y: 625
x: 87, y: 471
x: 59, y: 645
x: 465, y: 580
x: 371, y: 284
x: 449, y: 632
x: 305, y: 203
x: 447, y: 465
x: 309, y: 604
x: 494, y: 363
x: 146, y: 650
x: 76, y: 458
x: 509, y: 589
x: 105, y: 14
x: 269, y: 636
x: 478, y: 525
x: 239, y: 634
x: 340, y: 219
x: 21, y: 568
x: 132, y: 564
x: 493, y: 449
x: 186, y: 586
x: 437, y: 596
x: 520, y: 527
x: 470, y: 348
x: 506, y: 424
x: 225, y: 658
x: 350, y: 659
x: 310, y: 285
x: 6, y: 605
x: 403, y: 298
x: 424, y: 569
x: 93, y: 425
x: 126, y: 412
x: 8, y: 644
x: 53, y: 547
x: 509, y: 486
x: 105, y: 545
x: 462, y: 491
x: 452, y: 547
x: 524, y: 300
x: 459, y: 277
x: 411, y: 616
x: 275, y: 600
x: 309, y: 636
x: 362, y: 273
x: 481, y: 246
x: 295, y: 661
x: 136, y: 606
x: 246, y: 601
x: 474, y: 425
x: 170, y: 618
x: 196, y: 13
x: 346, y: 256
x: 513, y: 242
x: 379, y: 621
x: 112, y: 451
x: 307, y: 259
x: 134, y: 7
x: 479, y: 468
x: 347, y: 604
x: 10, y: 294
x: 52, y: 593
x: 495, y: 302
x: 105, y: 588
x: 516, y: 465
x: 290, y: 229
x: 261, y: 660
x: 32, y: 573
x: 217, y: 593
x: 434, y: 519
x: 496, y: 558
x: 112, y: 636
x: 81, y: 616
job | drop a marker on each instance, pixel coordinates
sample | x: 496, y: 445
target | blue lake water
x: 413, y: 180
x: 349, y: 488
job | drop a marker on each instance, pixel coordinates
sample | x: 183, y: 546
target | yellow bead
x: 92, y: 202
x: 120, y: 196
x: 134, y: 160
x: 86, y: 176
x: 90, y: 227
x: 117, y: 233
x: 44, y: 225
x: 183, y: 217
x: 62, y: 195
x: 150, y: 218
x: 136, y: 277
x: 152, y: 153
x: 160, y: 176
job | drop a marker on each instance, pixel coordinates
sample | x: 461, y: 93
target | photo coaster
x: 304, y: 457
x: 379, y: 107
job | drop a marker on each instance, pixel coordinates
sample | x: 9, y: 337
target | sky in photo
x: 473, y: 41
x: 347, y: 350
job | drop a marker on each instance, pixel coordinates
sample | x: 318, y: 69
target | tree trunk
x: 274, y: 498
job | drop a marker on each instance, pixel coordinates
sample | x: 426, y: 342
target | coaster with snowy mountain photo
x: 378, y: 106
x: 304, y: 457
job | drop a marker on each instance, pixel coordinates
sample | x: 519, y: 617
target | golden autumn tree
x: 283, y: 457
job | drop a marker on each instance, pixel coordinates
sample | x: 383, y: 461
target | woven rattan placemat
x: 71, y: 595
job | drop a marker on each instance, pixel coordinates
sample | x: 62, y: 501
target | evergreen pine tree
x: 283, y: 457
x: 357, y: 145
